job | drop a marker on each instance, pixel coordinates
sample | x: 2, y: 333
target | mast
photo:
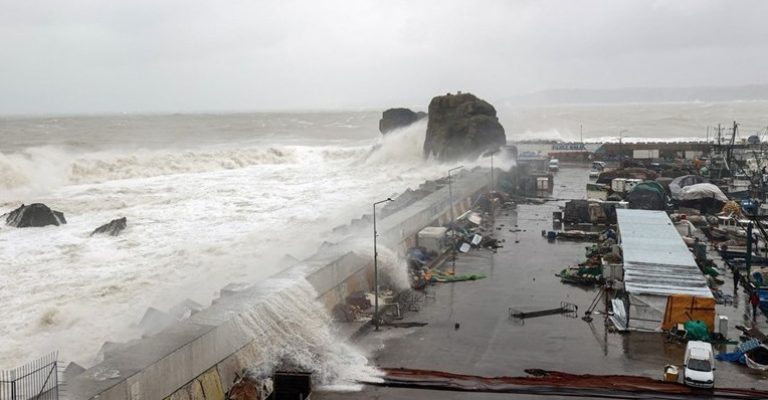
x: 729, y: 154
x: 719, y: 131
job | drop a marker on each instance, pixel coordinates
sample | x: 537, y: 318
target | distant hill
x: 640, y: 95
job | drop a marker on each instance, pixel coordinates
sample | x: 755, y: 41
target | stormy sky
x: 81, y: 56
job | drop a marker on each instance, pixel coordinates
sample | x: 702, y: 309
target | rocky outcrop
x: 36, y: 214
x: 113, y: 228
x: 462, y: 126
x: 396, y: 118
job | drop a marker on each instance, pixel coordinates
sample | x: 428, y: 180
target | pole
x: 493, y: 186
x: 376, y: 267
x: 453, y: 221
x: 748, y: 256
x: 718, y: 135
x: 492, y: 197
x: 621, y: 148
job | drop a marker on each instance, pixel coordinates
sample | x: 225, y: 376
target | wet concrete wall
x: 201, y: 357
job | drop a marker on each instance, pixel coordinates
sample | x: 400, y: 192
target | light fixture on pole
x: 453, y: 221
x: 376, y: 267
x: 621, y: 149
x: 491, y: 153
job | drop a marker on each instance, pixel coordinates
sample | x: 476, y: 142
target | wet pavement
x: 469, y: 329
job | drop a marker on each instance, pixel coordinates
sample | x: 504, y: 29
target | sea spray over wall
x: 400, y: 146
x: 191, y: 233
x: 290, y: 328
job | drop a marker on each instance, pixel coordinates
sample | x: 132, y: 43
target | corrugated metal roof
x: 656, y: 260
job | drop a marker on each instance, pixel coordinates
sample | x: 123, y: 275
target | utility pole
x: 453, y: 221
x: 621, y: 149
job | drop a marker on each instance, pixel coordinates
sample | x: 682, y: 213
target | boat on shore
x: 597, y: 168
x: 757, y: 358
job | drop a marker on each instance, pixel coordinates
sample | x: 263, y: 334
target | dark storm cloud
x: 96, y: 56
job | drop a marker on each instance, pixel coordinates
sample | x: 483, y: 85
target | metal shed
x: 658, y: 266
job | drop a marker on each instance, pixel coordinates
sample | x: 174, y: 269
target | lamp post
x: 453, y: 233
x: 376, y: 267
x: 491, y: 153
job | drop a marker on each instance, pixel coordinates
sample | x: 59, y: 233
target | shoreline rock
x: 113, y: 228
x: 34, y: 215
x: 397, y: 118
x: 462, y: 126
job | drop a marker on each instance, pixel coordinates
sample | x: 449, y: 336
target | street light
x: 376, y: 267
x: 621, y: 149
x: 453, y: 222
x: 491, y: 153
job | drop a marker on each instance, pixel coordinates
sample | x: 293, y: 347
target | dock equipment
x: 568, y: 309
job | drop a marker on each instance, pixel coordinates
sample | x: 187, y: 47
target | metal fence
x: 38, y: 380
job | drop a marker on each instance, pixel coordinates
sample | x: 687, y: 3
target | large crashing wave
x: 290, y: 327
x: 47, y: 165
x: 37, y: 169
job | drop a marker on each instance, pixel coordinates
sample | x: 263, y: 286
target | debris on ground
x: 553, y: 383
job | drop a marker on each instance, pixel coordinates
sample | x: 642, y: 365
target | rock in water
x: 396, y: 118
x: 113, y: 227
x: 36, y: 214
x: 461, y: 126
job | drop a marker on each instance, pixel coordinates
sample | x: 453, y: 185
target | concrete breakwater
x: 200, y: 357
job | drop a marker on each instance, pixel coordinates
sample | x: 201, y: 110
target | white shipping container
x: 542, y: 183
x: 617, y: 185
x: 645, y: 154
x: 631, y: 183
x: 613, y: 271
x: 692, y: 154
x: 433, y: 238
x: 722, y: 325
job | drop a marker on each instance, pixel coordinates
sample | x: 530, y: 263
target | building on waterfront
x: 662, y: 284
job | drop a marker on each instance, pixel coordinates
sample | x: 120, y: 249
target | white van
x: 554, y: 165
x: 699, y: 364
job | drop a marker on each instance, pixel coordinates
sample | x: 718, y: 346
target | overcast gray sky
x: 184, y: 55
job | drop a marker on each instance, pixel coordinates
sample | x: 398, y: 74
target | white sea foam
x: 191, y: 230
x: 291, y: 328
x: 203, y: 214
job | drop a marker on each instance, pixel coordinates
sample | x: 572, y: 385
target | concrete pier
x: 521, y: 276
x: 199, y: 358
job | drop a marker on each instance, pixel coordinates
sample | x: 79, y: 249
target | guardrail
x: 37, y: 380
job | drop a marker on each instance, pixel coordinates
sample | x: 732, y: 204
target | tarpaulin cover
x: 701, y: 191
x: 650, y: 186
x: 646, y: 200
x: 680, y: 182
x: 696, y: 330
x: 684, y: 308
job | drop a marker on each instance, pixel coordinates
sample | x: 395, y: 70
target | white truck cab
x: 554, y: 165
x: 699, y: 364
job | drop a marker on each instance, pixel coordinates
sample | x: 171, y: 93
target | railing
x: 37, y: 380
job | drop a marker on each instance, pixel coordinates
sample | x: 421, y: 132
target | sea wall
x: 200, y: 358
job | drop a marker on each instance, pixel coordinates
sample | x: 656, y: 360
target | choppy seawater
x: 214, y: 199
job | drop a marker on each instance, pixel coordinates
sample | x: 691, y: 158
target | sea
x: 219, y: 198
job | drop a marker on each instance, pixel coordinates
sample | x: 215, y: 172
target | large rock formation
x: 36, y: 214
x: 112, y: 228
x: 461, y: 126
x: 396, y: 118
